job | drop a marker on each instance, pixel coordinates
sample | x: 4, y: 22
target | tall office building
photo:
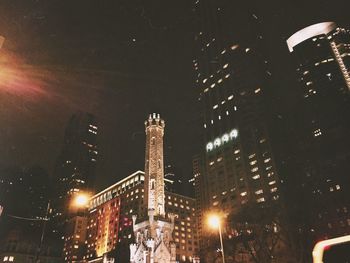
x: 75, y: 166
x: 321, y: 53
x: 236, y: 166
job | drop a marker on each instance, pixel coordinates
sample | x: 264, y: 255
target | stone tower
x: 153, y: 234
x: 154, y: 165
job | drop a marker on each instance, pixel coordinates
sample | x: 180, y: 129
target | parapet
x: 154, y: 119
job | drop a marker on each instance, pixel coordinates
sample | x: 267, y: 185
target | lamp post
x: 37, y: 258
x: 215, y: 222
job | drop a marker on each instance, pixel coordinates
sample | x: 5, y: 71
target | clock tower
x: 153, y: 234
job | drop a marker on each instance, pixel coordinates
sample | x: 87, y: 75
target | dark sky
x: 119, y: 60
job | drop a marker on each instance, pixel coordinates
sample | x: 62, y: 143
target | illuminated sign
x: 222, y: 140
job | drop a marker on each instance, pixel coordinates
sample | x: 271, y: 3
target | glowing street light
x: 215, y: 222
x: 81, y: 200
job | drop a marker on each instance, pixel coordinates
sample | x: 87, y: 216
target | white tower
x: 154, y: 165
x: 153, y: 234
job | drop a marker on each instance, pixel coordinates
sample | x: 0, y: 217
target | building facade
x: 74, y: 239
x: 126, y: 198
x: 321, y: 53
x: 236, y: 166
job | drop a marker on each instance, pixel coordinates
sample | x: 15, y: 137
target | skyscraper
x: 321, y: 53
x: 237, y: 165
x: 75, y: 166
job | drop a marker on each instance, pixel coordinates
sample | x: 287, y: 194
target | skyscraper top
x: 309, y: 32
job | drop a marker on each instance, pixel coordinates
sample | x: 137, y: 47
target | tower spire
x: 154, y: 165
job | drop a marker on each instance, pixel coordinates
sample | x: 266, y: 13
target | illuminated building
x: 109, y: 219
x: 75, y: 166
x: 321, y: 183
x: 112, y: 209
x: 74, y: 239
x: 236, y: 165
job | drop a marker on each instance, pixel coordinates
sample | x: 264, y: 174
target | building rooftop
x: 309, y: 32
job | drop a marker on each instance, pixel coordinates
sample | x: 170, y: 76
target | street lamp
x: 81, y: 200
x: 215, y: 222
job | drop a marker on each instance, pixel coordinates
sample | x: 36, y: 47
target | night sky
x: 119, y: 60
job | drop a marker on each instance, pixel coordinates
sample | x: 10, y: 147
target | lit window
x: 251, y: 156
x: 243, y: 193
x: 273, y: 190
x: 225, y: 138
x: 260, y: 191
x: 255, y: 177
x: 233, y: 133
x: 267, y: 160
x: 337, y: 187
x: 317, y: 132
x: 254, y: 169
x: 11, y: 258
x: 260, y: 200
x: 217, y: 142
x: 253, y: 162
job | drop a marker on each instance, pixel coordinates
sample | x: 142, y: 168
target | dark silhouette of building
x: 24, y: 197
x: 75, y: 167
x: 319, y: 186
